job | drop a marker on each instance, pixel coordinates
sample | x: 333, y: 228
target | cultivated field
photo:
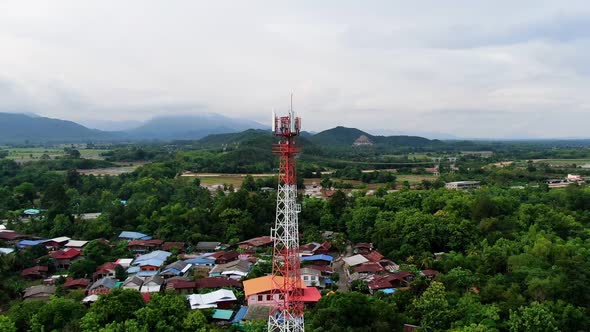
x: 111, y: 171
x: 563, y: 162
x: 31, y: 154
x: 212, y: 179
x: 415, y: 178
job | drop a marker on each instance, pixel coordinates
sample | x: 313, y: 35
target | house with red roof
x: 12, y: 237
x: 368, y: 268
x: 256, y: 243
x: 183, y: 286
x: 374, y: 256
x: 226, y: 256
x: 362, y: 248
x: 217, y: 282
x: 399, y: 280
x: 35, y: 272
x: 167, y: 246
x: 143, y: 246
x: 106, y: 270
x: 315, y: 248
x: 430, y: 274
x: 325, y: 270
x: 81, y: 283
x: 65, y: 257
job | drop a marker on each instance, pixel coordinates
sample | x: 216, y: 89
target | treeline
x: 510, y: 259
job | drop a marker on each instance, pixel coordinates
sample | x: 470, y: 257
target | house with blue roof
x: 128, y: 235
x: 318, y: 259
x: 156, y: 254
x: 133, y: 270
x: 146, y: 274
x: 240, y: 315
x: 178, y: 268
x: 29, y: 243
x: 201, y: 261
x: 151, y: 262
x: 154, y: 262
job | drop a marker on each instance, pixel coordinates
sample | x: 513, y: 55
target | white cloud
x: 371, y: 64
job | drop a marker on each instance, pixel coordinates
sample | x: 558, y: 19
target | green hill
x: 342, y: 136
x: 252, y: 137
x: 247, y: 136
x: 338, y: 136
x: 18, y: 128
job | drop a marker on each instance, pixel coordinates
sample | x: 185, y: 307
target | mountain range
x: 210, y: 129
x: 19, y: 128
x: 191, y: 127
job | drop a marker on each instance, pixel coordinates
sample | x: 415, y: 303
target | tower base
x: 278, y: 323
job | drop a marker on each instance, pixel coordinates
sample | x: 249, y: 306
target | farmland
x: 37, y: 153
x: 211, y: 179
x: 563, y: 162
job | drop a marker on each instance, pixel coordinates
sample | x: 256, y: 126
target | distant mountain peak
x: 20, y: 127
x: 191, y: 126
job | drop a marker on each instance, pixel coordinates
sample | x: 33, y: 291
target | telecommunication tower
x: 287, y: 313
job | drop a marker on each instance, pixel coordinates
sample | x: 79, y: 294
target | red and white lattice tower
x: 287, y: 313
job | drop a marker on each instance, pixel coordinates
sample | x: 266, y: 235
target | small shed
x: 222, y: 314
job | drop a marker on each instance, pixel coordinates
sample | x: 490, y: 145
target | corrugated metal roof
x: 60, y: 239
x: 144, y: 274
x: 240, y: 314
x: 222, y: 314
x: 355, y: 260
x: 76, y: 243
x: 326, y: 258
x: 210, y: 300
x: 6, y: 250
x: 134, y: 235
x: 265, y: 284
x: 29, y: 243
x: 200, y: 261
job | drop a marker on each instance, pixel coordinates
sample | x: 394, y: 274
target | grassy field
x: 112, y: 171
x: 210, y: 179
x: 411, y: 156
x: 29, y: 154
x: 563, y: 161
x: 411, y: 178
x: 414, y: 178
x: 91, y: 153
x: 33, y: 153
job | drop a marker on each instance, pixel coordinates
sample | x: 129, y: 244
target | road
x: 339, y: 268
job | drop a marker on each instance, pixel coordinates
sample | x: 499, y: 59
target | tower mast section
x: 287, y: 313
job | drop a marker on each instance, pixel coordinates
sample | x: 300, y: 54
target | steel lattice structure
x: 287, y: 313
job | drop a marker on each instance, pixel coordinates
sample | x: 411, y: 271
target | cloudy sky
x: 467, y: 68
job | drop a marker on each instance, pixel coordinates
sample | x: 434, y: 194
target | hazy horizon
x: 467, y: 69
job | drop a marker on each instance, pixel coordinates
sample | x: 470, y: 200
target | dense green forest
x: 509, y: 259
